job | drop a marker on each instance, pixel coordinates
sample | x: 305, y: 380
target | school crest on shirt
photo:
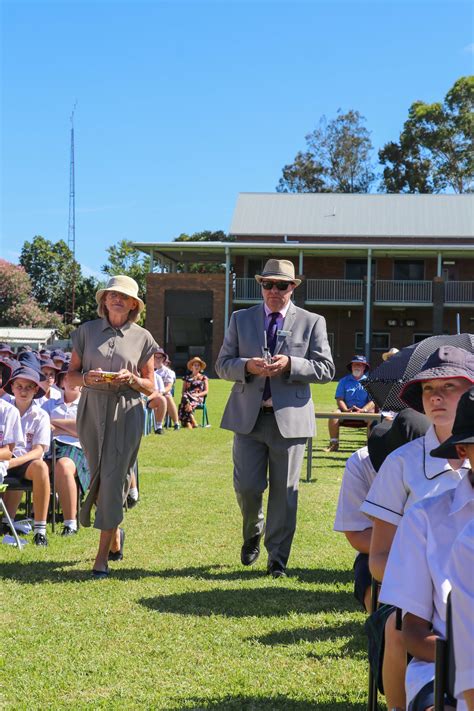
x: 29, y: 440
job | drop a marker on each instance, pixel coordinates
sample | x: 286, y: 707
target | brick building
x: 384, y: 270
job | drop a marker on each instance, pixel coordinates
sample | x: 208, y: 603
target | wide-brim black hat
x: 447, y: 362
x: 463, y: 428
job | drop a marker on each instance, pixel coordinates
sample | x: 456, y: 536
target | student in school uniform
x: 11, y: 433
x: 27, y: 461
x: 52, y: 394
x: 157, y: 402
x: 70, y: 459
x: 461, y: 567
x: 168, y: 377
x: 410, y: 474
x: 417, y: 577
x: 359, y: 474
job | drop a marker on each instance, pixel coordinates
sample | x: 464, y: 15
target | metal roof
x: 354, y: 215
x: 25, y: 335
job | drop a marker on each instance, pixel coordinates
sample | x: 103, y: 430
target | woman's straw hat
x: 124, y: 285
x: 196, y: 359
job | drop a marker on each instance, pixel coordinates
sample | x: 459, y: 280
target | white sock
x: 70, y: 523
x: 40, y: 527
x: 133, y: 493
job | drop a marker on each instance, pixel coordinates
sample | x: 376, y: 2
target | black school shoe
x: 118, y: 555
x: 131, y: 502
x: 68, y: 531
x: 39, y: 539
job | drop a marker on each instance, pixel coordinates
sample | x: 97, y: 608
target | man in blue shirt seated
x: 351, y: 396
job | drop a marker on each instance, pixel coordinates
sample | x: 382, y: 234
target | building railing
x: 459, y: 292
x: 407, y: 291
x: 335, y: 290
x: 246, y: 290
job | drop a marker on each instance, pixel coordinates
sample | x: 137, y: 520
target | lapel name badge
x: 280, y: 332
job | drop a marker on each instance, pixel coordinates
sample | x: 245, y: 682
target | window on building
x: 417, y: 337
x: 409, y: 270
x: 380, y: 341
x: 254, y: 266
x: 356, y: 268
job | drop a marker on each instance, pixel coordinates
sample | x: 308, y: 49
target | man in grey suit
x: 272, y: 352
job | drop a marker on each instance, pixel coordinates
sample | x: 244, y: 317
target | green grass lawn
x: 180, y: 624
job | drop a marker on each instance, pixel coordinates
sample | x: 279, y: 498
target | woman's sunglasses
x: 280, y: 285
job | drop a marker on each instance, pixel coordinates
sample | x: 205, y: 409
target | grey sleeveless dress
x: 110, y: 417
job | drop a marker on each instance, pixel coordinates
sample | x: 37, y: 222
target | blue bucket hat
x: 362, y: 360
x: 26, y: 374
x: 29, y: 359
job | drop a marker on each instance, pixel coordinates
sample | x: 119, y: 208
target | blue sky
x: 182, y: 105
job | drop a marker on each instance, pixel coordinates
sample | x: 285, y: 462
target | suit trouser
x: 265, y: 449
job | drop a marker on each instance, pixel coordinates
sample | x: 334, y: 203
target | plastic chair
x: 205, y: 416
x: 445, y: 665
x: 3, y: 488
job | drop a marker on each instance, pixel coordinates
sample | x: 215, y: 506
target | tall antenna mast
x: 71, y: 236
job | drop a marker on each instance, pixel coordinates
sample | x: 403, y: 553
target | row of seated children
x: 34, y: 408
x: 409, y: 474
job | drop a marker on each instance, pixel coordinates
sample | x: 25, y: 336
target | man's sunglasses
x: 280, y: 285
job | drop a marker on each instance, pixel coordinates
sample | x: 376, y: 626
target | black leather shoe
x: 68, y: 531
x: 276, y: 570
x: 118, y: 555
x: 100, y: 574
x: 250, y: 550
x: 39, y: 539
x: 131, y: 502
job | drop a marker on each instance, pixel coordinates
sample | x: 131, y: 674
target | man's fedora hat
x: 360, y: 360
x: 279, y: 270
x: 446, y: 362
x: 26, y: 374
x: 463, y: 428
x: 124, y: 285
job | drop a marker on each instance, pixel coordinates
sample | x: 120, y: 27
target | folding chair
x: 444, y: 663
x: 205, y: 417
x: 3, y: 488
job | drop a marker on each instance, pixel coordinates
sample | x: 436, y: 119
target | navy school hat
x: 361, y: 359
x: 446, y: 362
x: 6, y: 369
x: 463, y: 428
x: 5, y: 348
x: 26, y: 374
x: 29, y: 359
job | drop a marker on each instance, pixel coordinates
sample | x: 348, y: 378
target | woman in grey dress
x: 113, y: 359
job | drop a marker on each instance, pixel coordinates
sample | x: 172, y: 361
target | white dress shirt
x: 36, y: 428
x: 416, y: 578
x: 356, y: 482
x: 10, y: 431
x: 407, y: 475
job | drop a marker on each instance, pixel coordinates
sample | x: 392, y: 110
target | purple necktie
x: 271, y: 343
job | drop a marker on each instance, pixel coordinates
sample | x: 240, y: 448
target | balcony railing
x: 246, y: 290
x: 459, y: 292
x: 349, y: 291
x: 400, y: 292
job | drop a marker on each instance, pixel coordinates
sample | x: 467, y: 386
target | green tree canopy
x: 337, y: 159
x: 435, y: 151
x: 52, y: 271
x: 124, y: 258
x: 205, y: 236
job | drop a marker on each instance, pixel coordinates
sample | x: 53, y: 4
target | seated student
x: 195, y: 389
x: 168, y: 377
x: 461, y: 567
x: 70, y: 459
x: 417, y: 573
x: 27, y: 461
x: 157, y: 402
x: 351, y: 396
x: 52, y: 394
x: 410, y: 474
x: 11, y: 434
x: 5, y: 351
x: 359, y: 473
x: 59, y: 358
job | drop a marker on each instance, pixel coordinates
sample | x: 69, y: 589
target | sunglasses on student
x: 280, y: 285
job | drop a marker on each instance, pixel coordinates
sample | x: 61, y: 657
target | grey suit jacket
x: 307, y: 345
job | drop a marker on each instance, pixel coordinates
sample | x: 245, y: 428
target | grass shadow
x: 278, y: 702
x: 271, y: 601
x: 354, y: 643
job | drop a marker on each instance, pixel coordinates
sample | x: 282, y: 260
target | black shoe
x: 160, y: 431
x: 250, y: 550
x: 118, y: 555
x: 131, y: 502
x: 100, y: 574
x: 176, y: 426
x: 68, y: 531
x: 39, y: 539
x: 276, y: 570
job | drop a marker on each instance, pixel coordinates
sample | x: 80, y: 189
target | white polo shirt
x: 54, y: 394
x: 10, y: 431
x: 159, y: 385
x: 356, y: 482
x: 66, y: 411
x: 167, y: 375
x: 36, y: 428
x: 461, y: 572
x: 416, y: 578
x: 407, y: 475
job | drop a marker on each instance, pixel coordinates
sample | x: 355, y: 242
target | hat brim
x: 447, y: 450
x: 101, y: 292
x: 277, y: 277
x: 8, y: 386
x: 202, y: 363
x: 366, y: 365
x: 411, y: 393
